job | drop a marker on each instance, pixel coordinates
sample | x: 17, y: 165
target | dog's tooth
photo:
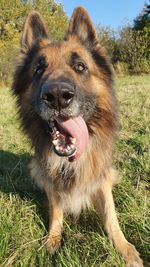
x: 73, y: 140
x: 68, y: 147
x: 55, y: 142
x: 57, y: 148
x: 71, y: 146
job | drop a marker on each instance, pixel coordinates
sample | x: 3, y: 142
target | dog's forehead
x: 62, y: 51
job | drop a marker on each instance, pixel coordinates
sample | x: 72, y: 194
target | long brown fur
x: 71, y: 187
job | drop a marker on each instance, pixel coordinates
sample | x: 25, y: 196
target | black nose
x: 57, y: 94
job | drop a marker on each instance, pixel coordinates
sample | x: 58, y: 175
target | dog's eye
x: 39, y: 70
x: 40, y: 67
x: 80, y: 67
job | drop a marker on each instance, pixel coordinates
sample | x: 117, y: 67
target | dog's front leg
x: 104, y: 203
x: 55, y: 221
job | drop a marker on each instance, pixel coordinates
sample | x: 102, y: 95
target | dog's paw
x: 53, y: 242
x: 132, y: 257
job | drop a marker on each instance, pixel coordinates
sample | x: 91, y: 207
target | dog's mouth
x: 69, y: 136
x: 63, y: 143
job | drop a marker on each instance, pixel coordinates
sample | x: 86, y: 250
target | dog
x: 67, y: 106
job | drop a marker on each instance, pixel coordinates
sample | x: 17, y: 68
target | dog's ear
x: 34, y: 30
x: 82, y: 26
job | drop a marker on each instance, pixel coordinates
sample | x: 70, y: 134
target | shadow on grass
x: 15, y: 179
x: 14, y: 176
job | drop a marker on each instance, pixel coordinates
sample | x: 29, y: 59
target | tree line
x: 128, y: 48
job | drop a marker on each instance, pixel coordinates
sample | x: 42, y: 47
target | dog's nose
x: 57, y: 94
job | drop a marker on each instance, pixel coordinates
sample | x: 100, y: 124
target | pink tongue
x: 77, y: 129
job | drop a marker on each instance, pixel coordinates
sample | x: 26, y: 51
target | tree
x: 134, y: 43
x: 142, y: 27
x: 143, y: 19
x: 13, y: 13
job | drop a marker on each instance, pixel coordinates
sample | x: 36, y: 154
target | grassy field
x: 23, y: 221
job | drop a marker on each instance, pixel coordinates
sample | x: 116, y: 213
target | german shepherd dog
x: 67, y: 106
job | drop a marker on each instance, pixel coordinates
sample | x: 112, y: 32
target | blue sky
x: 112, y: 13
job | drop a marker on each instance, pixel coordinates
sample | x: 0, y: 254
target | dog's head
x: 68, y: 84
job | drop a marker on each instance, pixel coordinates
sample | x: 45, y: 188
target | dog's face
x: 62, y: 73
x: 64, y: 83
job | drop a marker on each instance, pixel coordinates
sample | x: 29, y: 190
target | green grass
x: 23, y: 221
